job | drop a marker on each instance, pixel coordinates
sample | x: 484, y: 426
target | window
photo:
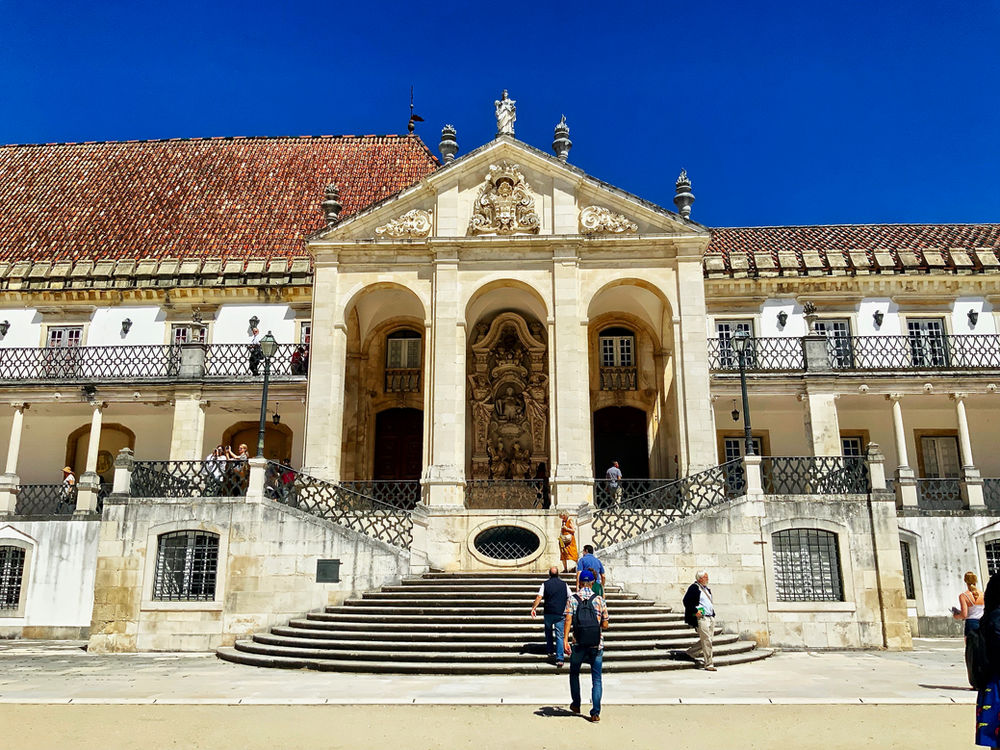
x: 617, y: 347
x: 61, y: 359
x: 908, y: 586
x: 305, y: 333
x: 725, y: 330
x: 187, y: 333
x: 732, y: 447
x: 403, y: 351
x: 186, y: 566
x: 852, y: 447
x: 940, y: 455
x: 68, y: 336
x: 807, y: 566
x: 928, y: 347
x: 838, y: 337
x: 992, y: 558
x: 11, y: 573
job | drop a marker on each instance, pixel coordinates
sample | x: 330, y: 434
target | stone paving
x: 60, y: 672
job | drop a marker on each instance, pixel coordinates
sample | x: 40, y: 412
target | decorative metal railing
x: 345, y: 507
x: 939, y: 494
x: 399, y: 493
x: 402, y: 380
x: 189, y: 479
x: 608, y: 493
x: 619, y: 378
x: 507, y: 493
x: 814, y: 475
x: 89, y: 363
x: 668, y: 502
x: 45, y: 500
x: 991, y: 493
x: 247, y: 361
x: 778, y: 354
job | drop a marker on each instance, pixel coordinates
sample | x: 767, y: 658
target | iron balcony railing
x: 507, y: 493
x: 619, y: 378
x: 939, y: 493
x: 991, y: 493
x: 814, y: 475
x: 45, y: 500
x: 934, y: 351
x: 189, y: 478
x: 247, y: 361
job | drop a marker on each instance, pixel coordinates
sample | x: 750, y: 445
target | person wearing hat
x: 585, y: 598
x: 68, y: 483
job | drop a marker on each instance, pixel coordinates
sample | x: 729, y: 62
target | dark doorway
x: 399, y: 439
x: 620, y: 435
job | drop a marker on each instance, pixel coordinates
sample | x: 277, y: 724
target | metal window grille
x: 186, y: 566
x: 993, y: 557
x: 904, y: 552
x: 11, y: 573
x: 506, y: 542
x: 807, y: 566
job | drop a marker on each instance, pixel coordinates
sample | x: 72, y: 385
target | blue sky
x: 782, y: 113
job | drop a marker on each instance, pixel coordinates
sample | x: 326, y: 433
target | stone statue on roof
x: 506, y: 114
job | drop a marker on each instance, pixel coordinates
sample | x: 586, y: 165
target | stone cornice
x: 906, y: 287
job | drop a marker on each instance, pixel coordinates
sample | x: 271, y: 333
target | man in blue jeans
x: 556, y: 593
x: 594, y: 655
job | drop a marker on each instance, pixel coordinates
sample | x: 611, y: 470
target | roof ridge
x: 218, y: 138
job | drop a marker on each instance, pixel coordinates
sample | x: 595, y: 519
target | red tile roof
x: 183, y: 198
x: 842, y: 238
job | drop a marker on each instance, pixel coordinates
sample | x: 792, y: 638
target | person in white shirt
x: 699, y: 613
x: 256, y: 353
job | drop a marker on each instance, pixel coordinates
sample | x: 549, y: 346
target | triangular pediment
x: 506, y: 188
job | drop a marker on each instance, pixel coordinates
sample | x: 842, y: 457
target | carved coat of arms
x: 505, y: 204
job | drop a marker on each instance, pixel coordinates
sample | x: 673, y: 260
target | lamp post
x: 741, y: 340
x: 268, y: 346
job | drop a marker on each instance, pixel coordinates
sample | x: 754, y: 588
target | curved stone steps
x: 306, y: 629
x: 515, y: 596
x: 449, y: 626
x: 456, y: 668
x: 456, y: 614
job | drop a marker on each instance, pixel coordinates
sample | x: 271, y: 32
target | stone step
x: 522, y: 627
x: 454, y: 614
x: 393, y: 666
x: 459, y: 657
x: 476, y: 592
x: 535, y: 645
x: 486, y: 605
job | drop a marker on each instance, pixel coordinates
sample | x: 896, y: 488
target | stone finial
x: 449, y: 145
x: 332, y: 204
x: 561, y: 143
x: 506, y: 114
x: 684, y: 197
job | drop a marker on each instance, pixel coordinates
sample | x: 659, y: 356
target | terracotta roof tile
x: 181, y: 198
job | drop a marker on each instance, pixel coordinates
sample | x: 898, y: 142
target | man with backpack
x: 586, y: 621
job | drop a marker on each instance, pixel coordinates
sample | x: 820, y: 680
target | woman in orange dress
x: 567, y: 543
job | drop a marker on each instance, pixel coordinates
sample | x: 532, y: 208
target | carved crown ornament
x: 597, y: 220
x: 415, y: 223
x: 505, y: 204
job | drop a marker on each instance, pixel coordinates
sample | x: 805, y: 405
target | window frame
x: 404, y: 363
x: 919, y: 435
x: 843, y: 536
x: 18, y: 612
x: 149, y: 604
x: 811, y: 539
x: 173, y: 327
x: 839, y: 344
x: 937, y: 359
x: 191, y: 568
x: 621, y: 335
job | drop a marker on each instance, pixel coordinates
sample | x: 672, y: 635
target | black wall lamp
x: 4, y: 327
x: 126, y: 326
x: 782, y: 318
x: 878, y: 317
x: 973, y: 318
x: 735, y: 413
x: 254, y: 321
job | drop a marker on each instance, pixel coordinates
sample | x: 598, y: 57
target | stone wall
x: 266, y: 575
x: 60, y: 561
x: 733, y: 543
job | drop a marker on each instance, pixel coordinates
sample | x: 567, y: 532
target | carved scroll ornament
x: 597, y: 220
x: 416, y: 223
x: 505, y: 204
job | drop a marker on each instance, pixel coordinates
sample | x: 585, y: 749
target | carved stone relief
x: 598, y: 220
x: 416, y: 223
x: 505, y: 204
x: 508, y: 390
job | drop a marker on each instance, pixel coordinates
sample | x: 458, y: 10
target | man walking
x: 590, y: 562
x: 586, y: 620
x: 556, y: 593
x: 699, y: 613
x: 614, y: 475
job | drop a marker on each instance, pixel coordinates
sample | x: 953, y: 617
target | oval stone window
x: 506, y: 542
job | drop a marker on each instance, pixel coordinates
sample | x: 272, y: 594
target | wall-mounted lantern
x: 276, y: 418
x: 735, y: 413
x: 254, y: 321
x: 4, y: 327
x: 878, y: 316
x: 973, y: 318
x: 126, y: 326
x: 782, y: 318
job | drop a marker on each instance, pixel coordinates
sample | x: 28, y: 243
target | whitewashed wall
x: 148, y: 326
x: 25, y: 327
x: 232, y: 323
x: 60, y: 597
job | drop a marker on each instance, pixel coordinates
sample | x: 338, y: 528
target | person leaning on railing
x: 238, y: 473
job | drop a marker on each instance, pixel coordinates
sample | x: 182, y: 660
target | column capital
x: 958, y: 396
x: 20, y: 405
x: 894, y: 397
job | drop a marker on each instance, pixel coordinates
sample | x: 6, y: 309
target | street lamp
x: 268, y: 346
x: 741, y: 340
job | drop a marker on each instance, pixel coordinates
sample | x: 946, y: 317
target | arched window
x: 402, y: 351
x: 11, y: 575
x: 617, y: 347
x: 807, y: 566
x: 186, y: 566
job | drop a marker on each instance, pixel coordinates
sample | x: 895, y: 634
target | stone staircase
x: 470, y: 623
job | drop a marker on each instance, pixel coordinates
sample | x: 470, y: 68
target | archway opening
x: 277, y: 439
x: 620, y: 435
x: 399, y: 436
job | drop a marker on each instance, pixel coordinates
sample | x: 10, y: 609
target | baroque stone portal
x: 509, y: 394
x: 505, y: 204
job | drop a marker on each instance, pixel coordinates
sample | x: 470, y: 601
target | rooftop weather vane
x: 413, y: 118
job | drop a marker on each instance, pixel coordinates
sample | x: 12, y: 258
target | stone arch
x: 277, y: 438
x: 114, y: 437
x: 505, y: 294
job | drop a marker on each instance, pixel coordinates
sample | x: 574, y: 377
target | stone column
x: 692, y: 363
x: 444, y: 474
x: 187, y: 435
x: 569, y: 390
x: 90, y: 483
x: 972, y: 482
x: 255, y: 482
x: 192, y: 362
x: 124, y: 462
x: 891, y: 600
x: 823, y: 423
x: 9, y: 482
x: 327, y: 364
x: 906, y: 482
x: 755, y: 485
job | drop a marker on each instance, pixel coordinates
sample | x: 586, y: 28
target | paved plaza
x: 60, y: 696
